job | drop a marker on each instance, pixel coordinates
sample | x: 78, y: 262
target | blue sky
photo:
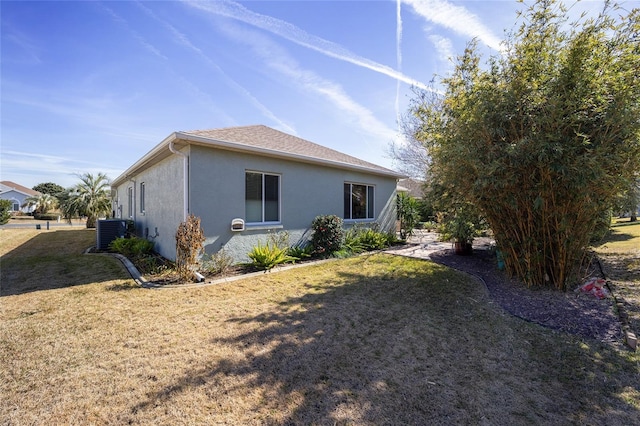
x: 93, y: 86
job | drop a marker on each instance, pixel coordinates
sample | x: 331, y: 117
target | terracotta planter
x: 462, y: 248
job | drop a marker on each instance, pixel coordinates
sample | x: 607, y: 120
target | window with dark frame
x: 262, y: 197
x: 358, y: 201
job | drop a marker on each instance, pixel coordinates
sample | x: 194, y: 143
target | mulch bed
x: 571, y: 312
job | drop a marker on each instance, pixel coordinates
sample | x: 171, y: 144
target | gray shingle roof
x: 260, y: 140
x: 267, y: 139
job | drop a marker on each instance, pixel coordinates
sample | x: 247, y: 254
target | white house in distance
x: 16, y: 194
x: 246, y: 182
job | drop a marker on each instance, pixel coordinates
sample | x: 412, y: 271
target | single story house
x: 17, y: 194
x: 245, y: 183
x: 413, y: 187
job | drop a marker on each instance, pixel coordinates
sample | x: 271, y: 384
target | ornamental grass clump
x: 270, y: 255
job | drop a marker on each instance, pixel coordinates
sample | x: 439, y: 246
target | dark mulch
x: 572, y: 312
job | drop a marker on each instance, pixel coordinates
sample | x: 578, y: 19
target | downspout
x: 185, y: 164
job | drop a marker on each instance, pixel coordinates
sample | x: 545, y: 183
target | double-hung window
x: 358, y: 201
x: 262, y: 197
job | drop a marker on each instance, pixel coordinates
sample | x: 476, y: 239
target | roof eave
x: 144, y: 161
x: 163, y: 146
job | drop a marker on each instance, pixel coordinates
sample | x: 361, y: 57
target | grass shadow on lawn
x: 389, y: 340
x: 51, y: 260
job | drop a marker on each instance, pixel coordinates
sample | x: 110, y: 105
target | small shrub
x: 352, y: 243
x: 270, y: 255
x: 359, y: 239
x: 147, y: 264
x: 328, y: 235
x: 46, y: 216
x: 373, y: 240
x: 218, y: 263
x: 391, y: 238
x: 428, y: 226
x: 132, y: 247
x: 301, y: 252
x: 5, y: 211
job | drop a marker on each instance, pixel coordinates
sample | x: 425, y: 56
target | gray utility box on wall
x: 108, y: 230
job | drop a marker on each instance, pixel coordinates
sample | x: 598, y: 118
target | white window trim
x: 267, y: 224
x: 365, y: 219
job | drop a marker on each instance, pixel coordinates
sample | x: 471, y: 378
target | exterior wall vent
x: 108, y: 230
x: 237, y: 225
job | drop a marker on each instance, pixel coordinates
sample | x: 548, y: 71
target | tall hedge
x: 542, y: 138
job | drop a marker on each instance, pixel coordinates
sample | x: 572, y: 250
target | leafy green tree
x: 629, y: 201
x: 42, y: 203
x: 5, y: 211
x: 543, y: 138
x: 49, y: 188
x: 90, y: 198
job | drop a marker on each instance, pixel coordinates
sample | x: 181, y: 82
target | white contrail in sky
x: 296, y: 35
x: 277, y: 58
x: 398, y: 56
x: 456, y: 18
x: 184, y: 40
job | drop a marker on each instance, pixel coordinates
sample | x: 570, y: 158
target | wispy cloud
x: 27, y: 51
x: 443, y: 47
x: 193, y: 90
x: 277, y: 59
x: 296, y: 35
x: 183, y: 40
x: 456, y: 18
x: 148, y: 46
x: 35, y: 168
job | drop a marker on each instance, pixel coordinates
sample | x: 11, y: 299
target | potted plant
x: 461, y: 231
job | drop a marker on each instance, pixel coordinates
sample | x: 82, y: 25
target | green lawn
x: 375, y: 339
x: 620, y: 257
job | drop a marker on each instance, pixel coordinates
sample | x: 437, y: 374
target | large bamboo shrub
x: 543, y: 138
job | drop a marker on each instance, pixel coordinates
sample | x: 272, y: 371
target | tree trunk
x: 91, y: 221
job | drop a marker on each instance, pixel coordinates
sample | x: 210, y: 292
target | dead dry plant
x: 189, y: 244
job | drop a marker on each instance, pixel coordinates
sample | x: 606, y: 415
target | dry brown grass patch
x: 370, y: 340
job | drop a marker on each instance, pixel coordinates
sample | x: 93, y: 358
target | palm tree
x: 43, y: 203
x: 90, y: 198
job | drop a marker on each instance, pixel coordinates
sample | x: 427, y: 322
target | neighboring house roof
x: 261, y: 140
x: 411, y: 186
x: 7, y: 185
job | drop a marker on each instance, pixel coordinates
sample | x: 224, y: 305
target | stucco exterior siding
x: 309, y: 180
x: 306, y: 191
x: 163, y: 203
